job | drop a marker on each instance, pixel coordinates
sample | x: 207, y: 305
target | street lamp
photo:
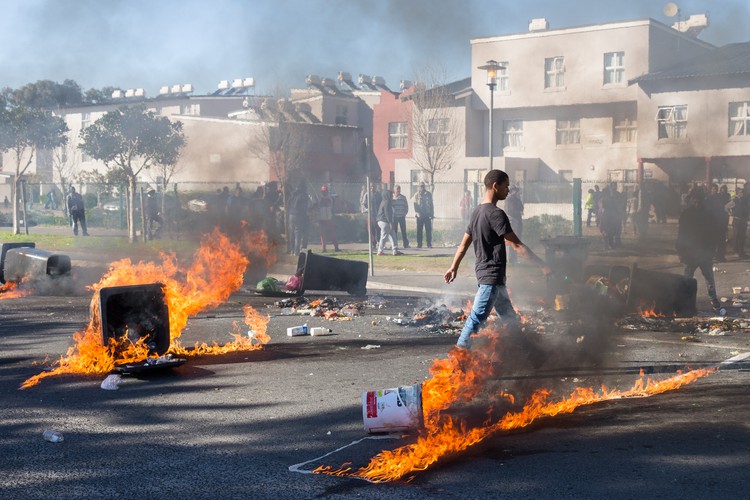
x: 492, y: 68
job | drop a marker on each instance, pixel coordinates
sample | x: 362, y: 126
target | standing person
x: 234, y: 213
x: 400, y: 209
x: 385, y: 222
x: 299, y: 204
x: 716, y: 204
x: 632, y: 211
x: 590, y: 206
x: 77, y: 211
x: 325, y: 219
x: 488, y: 230
x: 696, y: 241
x: 514, y: 209
x: 466, y: 205
x: 425, y: 211
x: 152, y: 216
x: 370, y: 203
x: 740, y: 209
x: 597, y: 202
x: 6, y: 202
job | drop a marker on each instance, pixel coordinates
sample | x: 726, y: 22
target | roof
x: 732, y: 59
x: 449, y: 89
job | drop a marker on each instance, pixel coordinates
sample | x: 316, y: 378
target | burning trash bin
x: 4, y: 250
x: 33, y: 263
x: 137, y: 315
x: 393, y: 410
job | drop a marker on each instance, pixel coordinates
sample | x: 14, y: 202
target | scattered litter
x: 371, y: 346
x: 691, y: 338
x: 580, y: 339
x: 53, y: 436
x: 112, y: 382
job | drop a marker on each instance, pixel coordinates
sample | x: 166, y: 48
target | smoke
x: 139, y: 43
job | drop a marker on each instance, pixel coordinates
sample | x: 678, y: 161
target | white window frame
x: 568, y: 132
x: 503, y: 78
x: 625, y: 131
x: 614, y: 68
x: 437, y: 131
x: 513, y: 134
x: 554, y: 72
x: 739, y: 120
x: 85, y: 120
x: 398, y: 135
x: 672, y: 122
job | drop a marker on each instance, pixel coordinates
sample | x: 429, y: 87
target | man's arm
x: 450, y: 274
x: 527, y: 253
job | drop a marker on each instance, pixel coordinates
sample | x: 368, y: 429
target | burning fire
x: 215, y: 273
x: 460, y: 378
x: 10, y: 290
x: 650, y: 313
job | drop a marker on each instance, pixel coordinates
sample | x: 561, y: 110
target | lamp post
x: 491, y: 67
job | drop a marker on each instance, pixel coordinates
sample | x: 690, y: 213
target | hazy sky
x: 151, y: 43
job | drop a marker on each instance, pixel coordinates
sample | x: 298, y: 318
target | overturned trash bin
x: 327, y: 273
x: 137, y: 313
x: 4, y: 250
x: 33, y: 263
x: 666, y: 293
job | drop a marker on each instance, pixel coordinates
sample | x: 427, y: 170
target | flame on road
x: 10, y: 290
x: 215, y: 273
x: 462, y: 377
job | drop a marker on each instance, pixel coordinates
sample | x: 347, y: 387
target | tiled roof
x: 732, y: 59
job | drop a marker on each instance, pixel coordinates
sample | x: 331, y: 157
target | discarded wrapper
x: 111, y: 383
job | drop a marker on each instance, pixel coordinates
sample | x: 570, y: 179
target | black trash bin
x: 328, y: 273
x: 33, y: 263
x: 665, y: 293
x: 4, y: 249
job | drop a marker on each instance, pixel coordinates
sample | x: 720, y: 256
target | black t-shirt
x: 487, y: 228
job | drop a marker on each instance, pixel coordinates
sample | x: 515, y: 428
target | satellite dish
x: 671, y: 9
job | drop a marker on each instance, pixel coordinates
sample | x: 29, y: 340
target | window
x: 672, y: 122
x: 568, y: 132
x: 397, y: 135
x: 437, y: 132
x: 85, y: 120
x: 614, y: 67
x: 513, y: 133
x: 624, y: 130
x: 342, y: 115
x: 554, y: 73
x: 502, y: 77
x: 190, y: 109
x: 739, y: 119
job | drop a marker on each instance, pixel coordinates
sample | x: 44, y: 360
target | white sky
x: 152, y: 43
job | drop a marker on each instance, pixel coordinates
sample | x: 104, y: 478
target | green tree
x: 24, y: 131
x: 129, y: 141
x: 45, y: 94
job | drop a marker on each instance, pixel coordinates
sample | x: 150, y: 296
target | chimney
x: 538, y: 24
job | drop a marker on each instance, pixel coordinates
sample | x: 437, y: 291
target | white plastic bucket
x: 393, y: 410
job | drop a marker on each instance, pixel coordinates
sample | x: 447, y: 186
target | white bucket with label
x: 393, y: 410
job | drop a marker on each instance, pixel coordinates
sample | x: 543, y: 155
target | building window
x: 85, y: 120
x: 624, y: 131
x: 554, y: 73
x: 568, y: 132
x: 614, y: 67
x: 397, y: 135
x: 513, y: 133
x: 503, y: 84
x: 190, y: 109
x: 342, y: 115
x: 739, y: 119
x: 672, y: 122
x: 437, y: 132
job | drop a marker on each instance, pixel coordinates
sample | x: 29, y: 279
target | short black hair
x: 494, y: 176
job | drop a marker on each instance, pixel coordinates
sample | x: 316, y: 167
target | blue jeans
x: 488, y: 296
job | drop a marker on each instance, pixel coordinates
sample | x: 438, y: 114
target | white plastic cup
x: 53, y: 436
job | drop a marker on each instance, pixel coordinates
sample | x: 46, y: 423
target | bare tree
x: 63, y: 166
x: 436, y: 129
x: 280, y: 141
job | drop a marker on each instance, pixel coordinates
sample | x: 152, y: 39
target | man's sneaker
x: 381, y: 253
x: 715, y: 304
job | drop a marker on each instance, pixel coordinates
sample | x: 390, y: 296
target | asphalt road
x: 232, y: 426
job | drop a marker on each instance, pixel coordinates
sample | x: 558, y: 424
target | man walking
x: 400, y: 209
x: 488, y: 230
x: 425, y: 211
x: 77, y: 211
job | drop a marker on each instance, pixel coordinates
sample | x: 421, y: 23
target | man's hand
x: 450, y: 275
